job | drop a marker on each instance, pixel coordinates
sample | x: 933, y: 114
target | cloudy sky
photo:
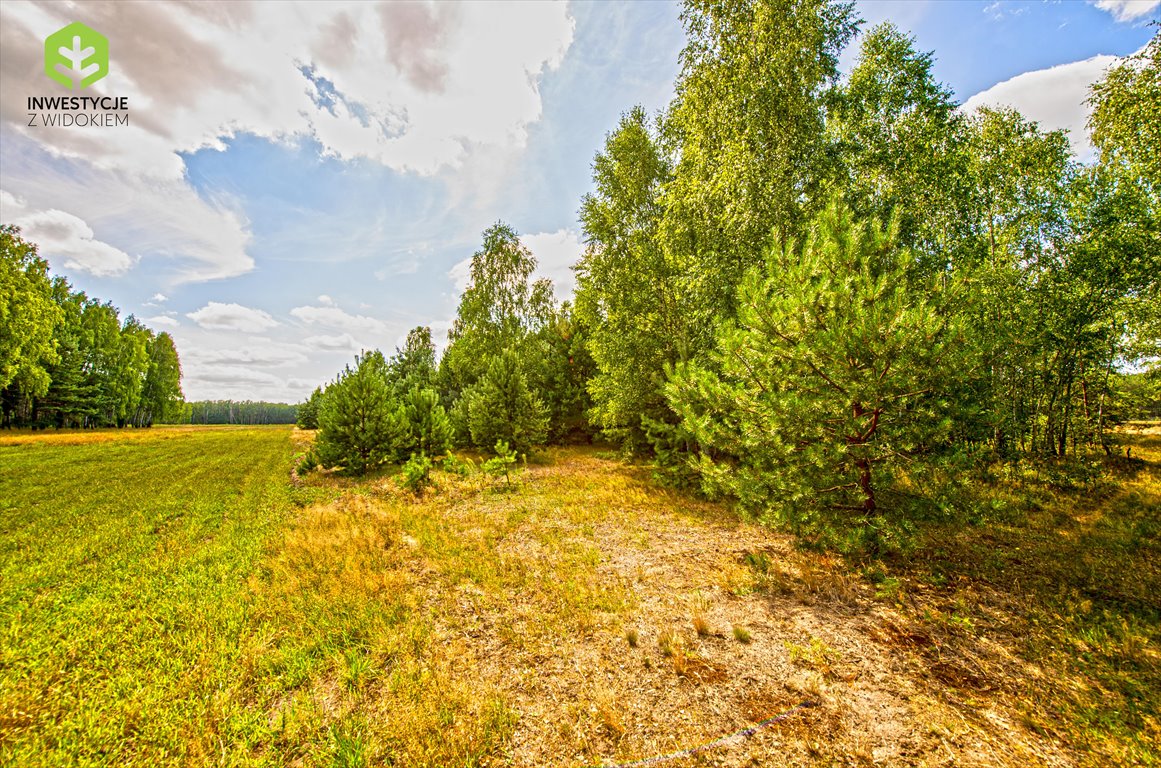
x: 301, y: 181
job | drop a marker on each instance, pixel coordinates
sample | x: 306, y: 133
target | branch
x: 909, y: 394
x: 824, y: 377
x: 753, y: 376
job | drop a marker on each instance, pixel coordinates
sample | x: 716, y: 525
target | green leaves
x: 748, y: 120
x: 497, y: 310
x: 67, y: 360
x: 627, y: 292
x: 900, y: 142
x: 1126, y: 116
x: 28, y: 316
x: 679, y: 215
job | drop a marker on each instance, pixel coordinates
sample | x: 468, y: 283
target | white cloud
x: 556, y: 253
x: 233, y: 374
x: 1128, y: 10
x: 325, y: 300
x: 158, y: 218
x: 461, y: 274
x: 232, y: 317
x: 1054, y: 97
x: 341, y: 343
x: 413, y: 86
x: 267, y: 354
x: 405, y: 261
x: 333, y: 317
x: 162, y: 320
x: 64, y: 239
x: 999, y: 10
x: 159, y: 298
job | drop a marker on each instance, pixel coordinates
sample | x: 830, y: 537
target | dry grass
x: 55, y: 437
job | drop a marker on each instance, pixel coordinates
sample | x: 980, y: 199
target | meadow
x: 179, y: 596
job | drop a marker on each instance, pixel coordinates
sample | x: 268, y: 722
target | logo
x: 76, y: 56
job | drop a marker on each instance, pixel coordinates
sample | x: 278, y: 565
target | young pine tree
x: 829, y: 376
x: 358, y: 426
x: 502, y: 407
x: 425, y: 428
x: 307, y: 416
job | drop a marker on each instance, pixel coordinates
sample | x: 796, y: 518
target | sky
x: 302, y: 181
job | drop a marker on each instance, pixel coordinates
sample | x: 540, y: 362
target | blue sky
x: 315, y: 183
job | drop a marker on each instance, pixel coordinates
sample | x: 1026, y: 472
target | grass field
x: 176, y: 597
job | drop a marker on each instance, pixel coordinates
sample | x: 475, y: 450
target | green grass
x: 124, y: 607
x: 171, y: 597
x: 1065, y: 576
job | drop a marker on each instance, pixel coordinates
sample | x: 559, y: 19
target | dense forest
x: 235, y: 412
x: 67, y: 360
x: 802, y: 291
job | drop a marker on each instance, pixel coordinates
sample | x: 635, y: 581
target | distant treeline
x: 236, y: 412
x: 67, y: 360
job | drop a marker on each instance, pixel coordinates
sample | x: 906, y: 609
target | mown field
x: 176, y: 596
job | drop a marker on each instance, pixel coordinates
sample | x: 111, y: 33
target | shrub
x: 502, y: 463
x: 307, y: 463
x: 416, y: 474
x: 455, y: 465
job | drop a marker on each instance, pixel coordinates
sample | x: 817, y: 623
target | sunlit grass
x: 124, y: 611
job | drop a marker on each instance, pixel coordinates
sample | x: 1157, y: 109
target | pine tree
x: 414, y: 365
x: 829, y: 376
x: 358, y: 428
x: 307, y: 416
x: 425, y: 428
x: 502, y: 407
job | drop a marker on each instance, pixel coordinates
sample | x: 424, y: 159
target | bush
x: 307, y: 463
x: 416, y: 474
x: 453, y: 464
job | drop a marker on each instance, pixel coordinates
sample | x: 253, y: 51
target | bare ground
x: 857, y: 678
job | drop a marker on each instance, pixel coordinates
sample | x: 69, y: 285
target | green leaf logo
x: 76, y: 56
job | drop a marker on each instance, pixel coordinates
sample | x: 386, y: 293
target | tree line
x: 798, y: 288
x: 235, y: 412
x: 68, y: 360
